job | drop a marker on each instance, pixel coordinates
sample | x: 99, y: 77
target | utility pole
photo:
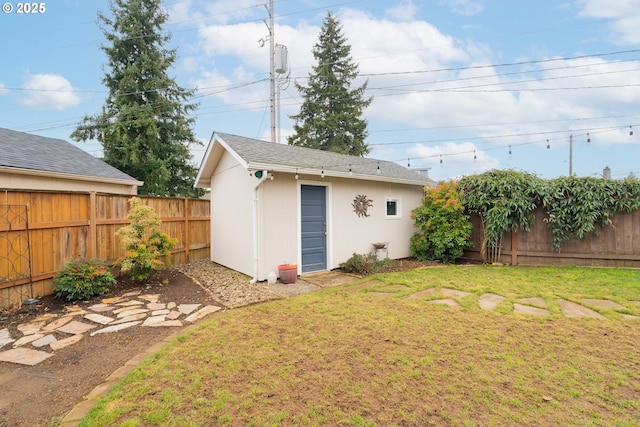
x: 272, y: 73
x: 570, y: 155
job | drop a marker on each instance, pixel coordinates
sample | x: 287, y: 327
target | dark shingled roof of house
x: 39, y: 153
x: 260, y: 154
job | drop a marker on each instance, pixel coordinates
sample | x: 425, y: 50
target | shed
x: 32, y: 162
x: 273, y: 204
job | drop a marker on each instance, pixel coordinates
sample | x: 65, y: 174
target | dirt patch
x: 38, y: 395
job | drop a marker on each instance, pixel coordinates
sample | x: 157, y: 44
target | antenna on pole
x: 272, y: 73
x: 283, y: 70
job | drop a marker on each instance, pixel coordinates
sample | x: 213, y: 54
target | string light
x: 440, y: 160
x: 548, y: 145
x: 378, y: 171
x: 350, y: 171
x: 408, y: 163
x: 509, y: 151
x: 588, y: 138
x: 322, y: 173
x: 475, y: 158
x: 630, y: 131
x: 296, y: 173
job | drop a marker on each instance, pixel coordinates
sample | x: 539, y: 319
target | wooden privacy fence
x: 61, y: 227
x: 616, y: 245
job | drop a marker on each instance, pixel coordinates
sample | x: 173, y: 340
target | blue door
x: 314, y: 228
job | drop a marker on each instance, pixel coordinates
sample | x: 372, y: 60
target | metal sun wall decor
x: 361, y: 204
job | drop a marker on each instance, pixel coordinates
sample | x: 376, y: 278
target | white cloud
x: 464, y: 7
x: 623, y: 14
x: 404, y: 11
x: 457, y: 157
x: 2, y: 89
x: 49, y: 92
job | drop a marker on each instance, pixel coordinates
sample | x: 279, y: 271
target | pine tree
x: 330, y: 115
x: 144, y: 128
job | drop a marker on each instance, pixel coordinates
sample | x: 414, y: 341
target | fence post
x: 514, y: 248
x: 186, y: 238
x: 93, y: 227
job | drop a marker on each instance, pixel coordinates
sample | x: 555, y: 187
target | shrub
x: 361, y: 264
x: 144, y: 242
x: 445, y: 229
x: 83, y: 279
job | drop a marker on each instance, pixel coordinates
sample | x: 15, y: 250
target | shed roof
x: 254, y: 154
x: 25, y: 151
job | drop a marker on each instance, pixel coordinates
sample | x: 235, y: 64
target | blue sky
x: 459, y: 86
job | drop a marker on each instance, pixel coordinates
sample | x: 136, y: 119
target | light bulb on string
x: 548, y: 145
x: 322, y: 173
x: 378, y: 171
x: 630, y: 131
x: 509, y: 150
x: 296, y: 173
x: 408, y: 163
x: 350, y: 171
x: 475, y: 158
x: 588, y: 138
x: 440, y: 160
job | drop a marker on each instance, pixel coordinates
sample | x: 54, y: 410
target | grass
x: 348, y: 357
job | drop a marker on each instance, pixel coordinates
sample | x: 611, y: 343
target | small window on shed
x: 393, y: 208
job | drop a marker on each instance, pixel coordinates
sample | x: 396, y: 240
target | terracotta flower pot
x: 288, y: 273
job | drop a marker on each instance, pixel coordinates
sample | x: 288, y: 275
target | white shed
x: 273, y: 204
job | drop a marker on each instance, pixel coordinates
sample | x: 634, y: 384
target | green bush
x: 83, y: 279
x: 361, y: 264
x: 445, y: 229
x: 143, y: 241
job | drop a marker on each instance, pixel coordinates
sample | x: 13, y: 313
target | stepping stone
x: 74, y: 327
x: 422, y: 294
x: 24, y: 356
x: 111, y: 300
x: 535, y: 301
x: 27, y: 339
x: 571, y: 309
x: 634, y: 302
x: 394, y: 288
x: 73, y: 308
x: 132, y: 294
x: 382, y: 294
x: 57, y: 324
x: 31, y: 328
x: 454, y: 293
x: 629, y: 317
x: 169, y: 323
x: 602, y: 303
x: 364, y: 285
x: 115, y: 328
x: 173, y: 315
x: 527, y: 309
x: 57, y: 345
x: 154, y: 319
x: 98, y: 318
x: 205, y: 311
x: 131, y: 318
x: 129, y: 303
x: 489, y: 301
x: 160, y: 312
x: 150, y: 297
x: 132, y: 312
x: 153, y: 306
x: 447, y: 301
x: 171, y: 305
x: 5, y: 337
x: 101, y: 308
x: 188, y: 308
x: 46, y: 340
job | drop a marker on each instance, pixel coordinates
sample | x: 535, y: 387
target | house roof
x: 254, y: 154
x: 27, y: 152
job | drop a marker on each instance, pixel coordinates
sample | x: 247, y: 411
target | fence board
x: 617, y: 245
x: 68, y: 226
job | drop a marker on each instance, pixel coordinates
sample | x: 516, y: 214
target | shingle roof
x: 40, y: 153
x: 282, y: 157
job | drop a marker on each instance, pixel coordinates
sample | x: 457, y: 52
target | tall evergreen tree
x: 330, y: 115
x: 145, y: 129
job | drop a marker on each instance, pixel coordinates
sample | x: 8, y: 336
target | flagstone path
x: 528, y: 306
x: 45, y: 334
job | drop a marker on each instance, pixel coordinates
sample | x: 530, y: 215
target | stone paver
x: 364, y: 285
x: 24, y: 356
x: 74, y: 327
x: 115, y: 328
x: 629, y: 317
x: 153, y: 319
x: 154, y: 306
x: 31, y: 328
x: 5, y: 337
x: 27, y: 339
x: 45, y: 340
x: 382, y: 294
x: 132, y: 312
x: 131, y: 318
x: 489, y: 301
x: 422, y: 294
x: 454, y: 293
x: 447, y: 301
x: 205, y: 311
x: 527, y: 309
x: 393, y: 288
x: 56, y: 324
x: 188, y: 308
x: 57, y: 345
x: 99, y: 308
x: 98, y: 318
x: 571, y: 309
x: 535, y: 301
x: 167, y: 323
x: 602, y: 303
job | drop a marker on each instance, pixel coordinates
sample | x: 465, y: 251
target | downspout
x: 264, y: 176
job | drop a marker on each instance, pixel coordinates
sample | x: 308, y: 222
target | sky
x: 459, y: 86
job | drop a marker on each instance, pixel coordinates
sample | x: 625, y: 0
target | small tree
x: 144, y: 242
x: 445, y: 229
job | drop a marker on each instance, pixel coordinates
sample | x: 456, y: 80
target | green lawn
x: 348, y: 357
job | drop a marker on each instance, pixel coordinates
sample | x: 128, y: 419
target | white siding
x: 231, y: 216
